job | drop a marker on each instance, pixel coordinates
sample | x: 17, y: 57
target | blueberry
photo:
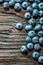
x: 6, y: 5
x: 1, y: 1
x: 40, y: 59
x: 31, y: 1
x: 24, y: 50
x: 41, y: 6
x: 37, y: 1
x: 17, y: 7
x: 40, y: 13
x: 25, y: 5
x: 35, y: 55
x: 11, y: 3
x: 35, y: 39
x: 30, y: 46
x: 28, y: 39
x: 41, y: 20
x: 38, y: 27
x: 29, y: 9
x: 35, y: 6
x: 31, y: 34
x: 27, y: 15
x: 41, y: 40
x: 37, y: 47
x: 19, y: 26
x: 32, y: 22
x: 28, y: 27
x: 40, y: 33
x: 18, y: 1
x: 35, y: 13
x: 6, y: 0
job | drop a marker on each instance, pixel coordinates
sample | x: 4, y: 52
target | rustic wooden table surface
x: 11, y: 39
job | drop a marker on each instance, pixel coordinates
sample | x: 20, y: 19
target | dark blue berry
x: 6, y: 5
x: 27, y: 15
x: 40, y: 13
x: 35, y: 55
x: 35, y: 39
x: 41, y: 6
x: 25, y: 5
x: 35, y: 13
x: 38, y: 27
x: 35, y: 6
x: 19, y: 26
x: 40, y: 59
x: 28, y: 27
x: 40, y: 33
x: 30, y: 46
x: 41, y: 40
x: 32, y: 22
x: 11, y: 3
x: 28, y: 39
x: 17, y: 7
x: 29, y: 9
x: 37, y: 47
x: 31, y: 34
x: 24, y: 50
x: 41, y: 20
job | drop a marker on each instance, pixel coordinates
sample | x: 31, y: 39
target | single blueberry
x: 24, y: 50
x: 28, y: 27
x: 19, y: 26
x: 41, y: 20
x: 41, y: 6
x: 29, y: 9
x: 6, y: 5
x: 40, y: 13
x: 38, y: 27
x: 25, y: 5
x: 30, y: 46
x: 40, y: 59
x: 28, y: 39
x: 17, y: 7
x: 27, y: 15
x: 37, y: 47
x: 40, y: 33
x: 35, y: 13
x: 11, y: 3
x: 35, y: 55
x: 35, y: 6
x: 41, y: 40
x: 31, y: 34
x: 32, y: 22
x: 35, y: 39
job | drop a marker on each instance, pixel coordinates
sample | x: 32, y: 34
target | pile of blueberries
x: 34, y: 28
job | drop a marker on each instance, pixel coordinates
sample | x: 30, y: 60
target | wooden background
x: 11, y: 39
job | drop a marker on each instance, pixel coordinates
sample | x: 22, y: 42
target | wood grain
x: 11, y: 39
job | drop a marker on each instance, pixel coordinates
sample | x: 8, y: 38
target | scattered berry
x: 19, y: 26
x: 24, y: 50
